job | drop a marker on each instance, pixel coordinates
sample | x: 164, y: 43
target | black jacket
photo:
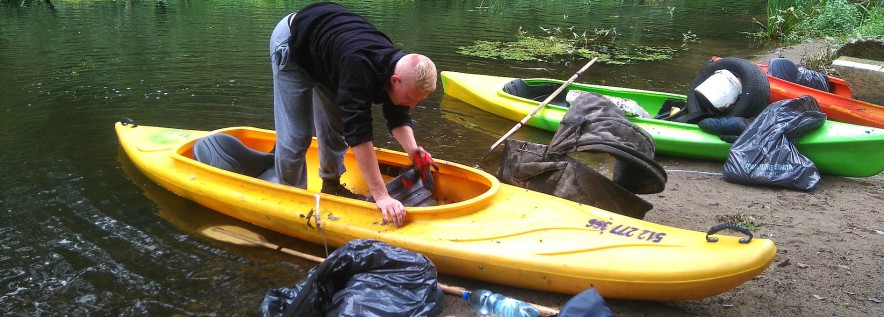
x: 350, y: 56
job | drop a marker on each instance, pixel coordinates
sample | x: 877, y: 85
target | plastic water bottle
x: 487, y: 303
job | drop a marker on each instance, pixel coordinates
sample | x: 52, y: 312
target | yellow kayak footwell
x: 482, y: 229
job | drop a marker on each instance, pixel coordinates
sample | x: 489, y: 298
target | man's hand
x: 392, y: 210
x: 422, y: 162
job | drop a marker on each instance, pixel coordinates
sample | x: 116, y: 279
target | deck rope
x: 318, y: 217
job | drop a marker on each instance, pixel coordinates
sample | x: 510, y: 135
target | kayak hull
x: 482, y: 229
x: 838, y: 105
x: 836, y: 149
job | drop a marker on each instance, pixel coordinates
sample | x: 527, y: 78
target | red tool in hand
x: 422, y: 164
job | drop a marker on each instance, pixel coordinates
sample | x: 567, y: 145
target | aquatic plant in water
x: 567, y: 43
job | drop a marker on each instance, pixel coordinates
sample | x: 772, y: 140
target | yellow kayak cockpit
x: 458, y: 189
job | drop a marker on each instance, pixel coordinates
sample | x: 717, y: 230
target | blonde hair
x: 423, y: 74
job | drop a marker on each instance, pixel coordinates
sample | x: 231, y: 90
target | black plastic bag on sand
x: 362, y: 278
x: 588, y: 303
x: 765, y: 154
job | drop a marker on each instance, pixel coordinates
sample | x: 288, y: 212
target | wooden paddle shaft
x: 448, y: 289
x: 543, y: 104
x: 559, y: 90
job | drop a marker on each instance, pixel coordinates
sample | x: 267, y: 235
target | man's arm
x: 392, y: 209
x: 405, y: 136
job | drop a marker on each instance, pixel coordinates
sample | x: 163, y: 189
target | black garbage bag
x: 362, y: 278
x: 588, y: 303
x: 765, y: 154
x: 785, y: 69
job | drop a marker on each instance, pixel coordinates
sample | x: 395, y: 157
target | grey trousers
x: 300, y: 107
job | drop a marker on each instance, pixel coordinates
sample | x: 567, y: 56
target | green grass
x: 835, y: 22
x: 833, y: 18
x: 799, y: 20
x: 873, y: 24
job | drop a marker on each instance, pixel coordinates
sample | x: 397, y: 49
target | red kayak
x: 838, y: 105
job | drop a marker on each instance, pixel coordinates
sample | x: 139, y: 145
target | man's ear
x: 395, y: 79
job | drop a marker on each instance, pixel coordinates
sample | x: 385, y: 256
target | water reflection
x: 267, y: 269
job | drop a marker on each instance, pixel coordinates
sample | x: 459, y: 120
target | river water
x: 83, y: 233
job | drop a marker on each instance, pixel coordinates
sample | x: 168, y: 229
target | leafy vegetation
x: 26, y: 3
x: 835, y: 21
x: 567, y: 43
x: 836, y: 17
x: 873, y: 20
x: 797, y: 20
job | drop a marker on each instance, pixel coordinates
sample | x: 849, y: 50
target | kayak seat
x: 539, y: 93
x: 416, y: 196
x: 226, y: 152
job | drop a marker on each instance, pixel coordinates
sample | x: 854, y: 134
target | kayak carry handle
x: 127, y: 121
x: 731, y: 226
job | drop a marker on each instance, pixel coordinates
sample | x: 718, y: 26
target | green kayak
x: 836, y: 148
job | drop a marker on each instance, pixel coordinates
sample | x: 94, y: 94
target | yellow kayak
x: 481, y: 229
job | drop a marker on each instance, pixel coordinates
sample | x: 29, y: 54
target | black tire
x: 754, y: 97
